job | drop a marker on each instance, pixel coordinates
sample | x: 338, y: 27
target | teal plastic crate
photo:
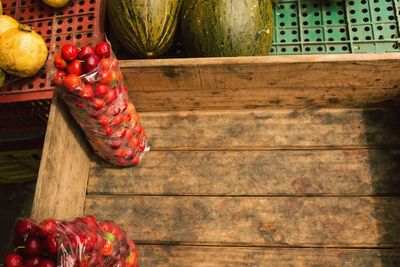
x: 336, y: 26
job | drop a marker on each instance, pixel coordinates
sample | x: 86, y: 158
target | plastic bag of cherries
x: 83, y: 242
x: 92, y: 86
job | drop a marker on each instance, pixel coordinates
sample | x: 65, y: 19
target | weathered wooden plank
x: 271, y: 129
x: 278, y: 221
x: 363, y: 80
x: 244, y: 98
x: 62, y: 180
x: 257, y: 173
x: 195, y: 256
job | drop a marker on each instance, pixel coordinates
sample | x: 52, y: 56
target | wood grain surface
x: 62, y: 180
x: 272, y: 129
x: 276, y: 221
x: 278, y: 81
x: 203, y: 256
x: 256, y: 173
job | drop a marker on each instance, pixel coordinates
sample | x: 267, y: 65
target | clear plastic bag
x: 83, y: 242
x: 93, y: 88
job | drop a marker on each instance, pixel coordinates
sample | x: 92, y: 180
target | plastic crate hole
x: 396, y: 46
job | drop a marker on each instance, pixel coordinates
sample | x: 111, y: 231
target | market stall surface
x: 271, y: 161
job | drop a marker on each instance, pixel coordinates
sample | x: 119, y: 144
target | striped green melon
x: 145, y: 27
x: 227, y: 27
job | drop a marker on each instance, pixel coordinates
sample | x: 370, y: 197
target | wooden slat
x: 280, y: 221
x: 244, y: 98
x: 283, y: 81
x: 315, y: 172
x: 271, y: 129
x: 195, y: 256
x: 62, y: 180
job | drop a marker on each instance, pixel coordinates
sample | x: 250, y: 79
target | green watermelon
x: 224, y: 28
x: 145, y: 27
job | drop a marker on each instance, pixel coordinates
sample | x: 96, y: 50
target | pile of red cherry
x: 83, y: 242
x: 99, y: 102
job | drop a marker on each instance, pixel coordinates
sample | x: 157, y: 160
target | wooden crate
x: 261, y: 161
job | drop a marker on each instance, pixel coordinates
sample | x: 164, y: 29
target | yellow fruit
x: 56, y: 3
x: 22, y: 51
x: 7, y: 23
x: 1, y: 8
x: 2, y: 77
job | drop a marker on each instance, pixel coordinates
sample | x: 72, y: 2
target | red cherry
x: 33, y: 247
x: 131, y: 245
x: 104, y: 120
x: 48, y: 227
x: 32, y: 262
x: 87, y: 92
x: 130, y: 153
x: 69, y: 52
x: 91, y: 221
x: 25, y: 227
x: 13, y: 259
x: 129, y: 134
x: 59, y: 62
x: 91, y: 63
x: 105, y: 226
x: 121, y: 153
x: 118, y: 119
x: 101, y: 89
x: 111, y: 96
x: 122, y: 133
x: 51, y: 244
x: 108, y: 131
x: 58, y: 78
x: 103, y: 49
x: 75, y: 67
x: 134, y: 142
x: 90, y: 240
x: 98, y: 103
x: 115, y: 144
x: 106, y: 63
x: 135, y: 161
x: 86, y: 51
x: 127, y: 117
x: 72, y: 82
x: 47, y: 263
x: 105, y: 77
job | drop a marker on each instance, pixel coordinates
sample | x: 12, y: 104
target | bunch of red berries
x: 83, y: 242
x: 94, y: 91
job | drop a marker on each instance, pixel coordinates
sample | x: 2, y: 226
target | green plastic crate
x: 336, y: 26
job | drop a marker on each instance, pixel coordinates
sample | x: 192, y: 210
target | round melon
x: 145, y: 27
x: 225, y: 28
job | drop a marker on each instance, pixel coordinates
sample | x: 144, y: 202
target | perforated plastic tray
x: 336, y: 26
x: 80, y: 20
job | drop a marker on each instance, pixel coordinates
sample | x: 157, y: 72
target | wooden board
x: 196, y: 256
x: 278, y: 221
x: 272, y: 129
x: 61, y: 185
x: 255, y: 173
x: 276, y: 81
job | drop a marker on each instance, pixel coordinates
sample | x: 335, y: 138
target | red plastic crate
x: 81, y: 21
